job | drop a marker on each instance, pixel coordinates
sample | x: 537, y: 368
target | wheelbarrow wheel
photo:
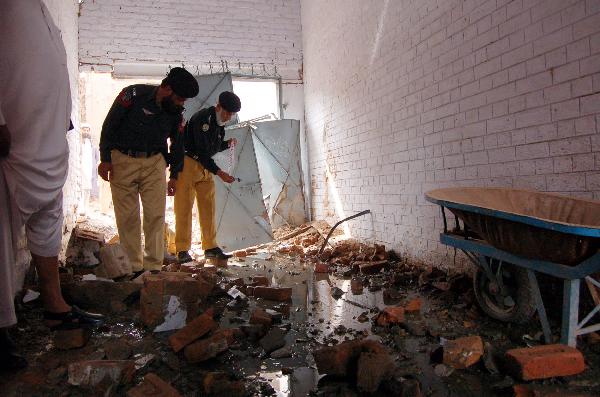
x: 505, y: 294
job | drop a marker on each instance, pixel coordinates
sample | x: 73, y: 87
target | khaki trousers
x: 194, y: 182
x: 134, y: 179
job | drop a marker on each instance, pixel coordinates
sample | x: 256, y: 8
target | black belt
x: 136, y: 154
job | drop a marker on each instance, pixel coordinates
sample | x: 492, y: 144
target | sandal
x: 73, y: 319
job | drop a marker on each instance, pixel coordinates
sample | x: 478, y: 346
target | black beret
x: 230, y: 102
x: 182, y: 83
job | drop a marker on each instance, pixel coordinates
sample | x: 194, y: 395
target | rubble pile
x: 283, y: 319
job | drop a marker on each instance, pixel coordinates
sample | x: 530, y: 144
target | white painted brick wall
x: 192, y: 32
x: 406, y: 96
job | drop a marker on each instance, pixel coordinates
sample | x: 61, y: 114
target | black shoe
x: 216, y: 253
x: 183, y: 257
x: 10, y: 360
x: 73, y: 319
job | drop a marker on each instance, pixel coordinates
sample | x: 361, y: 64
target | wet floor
x: 314, y: 318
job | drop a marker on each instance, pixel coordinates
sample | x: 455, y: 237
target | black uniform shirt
x: 135, y: 122
x: 204, y: 138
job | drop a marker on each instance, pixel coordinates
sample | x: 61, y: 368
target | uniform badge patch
x: 205, y: 127
x: 125, y: 98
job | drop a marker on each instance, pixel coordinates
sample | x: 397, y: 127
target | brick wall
x: 405, y: 96
x: 192, y: 32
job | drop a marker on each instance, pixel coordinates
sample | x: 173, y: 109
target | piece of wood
x: 294, y: 234
x: 593, y: 291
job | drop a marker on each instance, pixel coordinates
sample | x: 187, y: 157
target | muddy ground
x: 313, y: 318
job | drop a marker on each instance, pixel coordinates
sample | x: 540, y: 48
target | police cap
x: 230, y: 102
x: 182, y: 83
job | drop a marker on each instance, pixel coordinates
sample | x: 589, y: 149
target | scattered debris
x: 463, y: 352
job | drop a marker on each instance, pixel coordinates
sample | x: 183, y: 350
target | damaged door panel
x: 210, y: 86
x: 241, y: 216
x: 277, y: 146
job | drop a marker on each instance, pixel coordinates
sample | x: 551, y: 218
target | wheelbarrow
x: 512, y: 234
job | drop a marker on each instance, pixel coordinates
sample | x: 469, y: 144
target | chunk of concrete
x: 114, y: 262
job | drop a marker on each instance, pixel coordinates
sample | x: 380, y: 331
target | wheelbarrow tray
x: 534, y: 225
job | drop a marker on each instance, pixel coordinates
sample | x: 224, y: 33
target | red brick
x: 413, y: 306
x: 371, y: 267
x: 195, y: 329
x: 321, y: 267
x: 522, y: 391
x: 153, y: 386
x: 463, y: 352
x: 546, y: 361
x: 262, y: 281
x: 71, y: 338
x: 208, y: 348
x: 391, y: 315
x: 373, y: 368
x: 342, y: 359
x: 273, y: 293
x: 260, y: 316
x: 91, y: 373
x: 219, y: 384
x: 356, y: 286
x: 240, y: 254
x: 190, y: 290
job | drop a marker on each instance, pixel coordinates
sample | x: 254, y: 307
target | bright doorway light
x: 258, y: 98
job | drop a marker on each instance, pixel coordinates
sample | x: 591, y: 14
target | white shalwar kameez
x: 35, y: 105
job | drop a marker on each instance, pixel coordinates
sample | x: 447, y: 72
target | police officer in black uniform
x: 134, y: 155
x: 204, y: 137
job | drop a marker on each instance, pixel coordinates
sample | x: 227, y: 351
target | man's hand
x: 4, y: 141
x: 225, y: 177
x: 231, y: 142
x: 105, y: 170
x: 171, y: 187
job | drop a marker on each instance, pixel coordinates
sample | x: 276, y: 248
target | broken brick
x: 219, y: 384
x: 260, y: 316
x: 158, y: 288
x: 391, y: 315
x: 240, y: 254
x: 373, y: 368
x: 273, y: 293
x: 321, y: 267
x: 463, y: 352
x: 99, y: 295
x: 356, y: 286
x: 208, y: 348
x: 71, y: 338
x: 371, y: 267
x: 413, y: 306
x: 153, y: 386
x: 92, y: 373
x: 339, y: 360
x: 545, y: 361
x: 194, y: 329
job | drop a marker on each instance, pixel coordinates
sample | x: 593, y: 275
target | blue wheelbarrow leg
x: 570, y: 312
x: 539, y: 304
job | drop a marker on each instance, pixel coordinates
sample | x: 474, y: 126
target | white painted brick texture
x: 191, y: 32
x: 402, y: 97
